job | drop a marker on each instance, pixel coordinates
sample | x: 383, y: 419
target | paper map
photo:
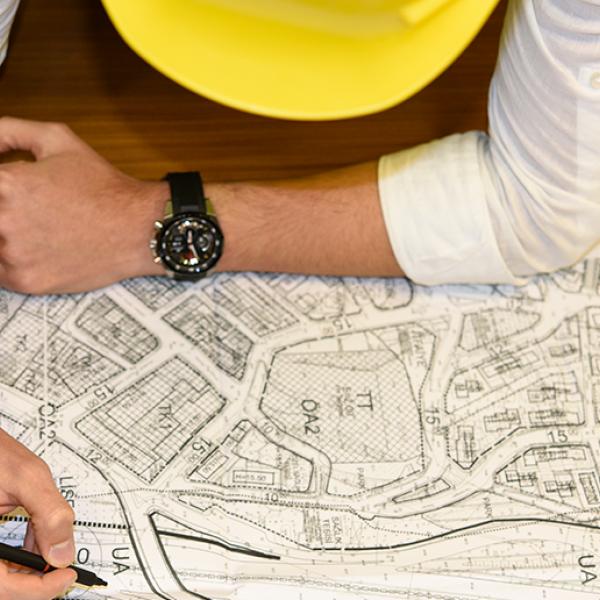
x: 275, y: 437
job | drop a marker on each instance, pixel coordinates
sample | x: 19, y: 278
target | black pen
x: 37, y: 563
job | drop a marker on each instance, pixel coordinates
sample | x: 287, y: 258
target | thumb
x: 51, y: 519
x: 40, y: 138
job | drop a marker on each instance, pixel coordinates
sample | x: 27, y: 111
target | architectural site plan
x: 268, y: 437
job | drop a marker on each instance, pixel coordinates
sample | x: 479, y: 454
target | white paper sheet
x: 301, y: 438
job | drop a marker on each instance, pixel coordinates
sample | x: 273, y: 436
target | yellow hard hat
x: 301, y: 59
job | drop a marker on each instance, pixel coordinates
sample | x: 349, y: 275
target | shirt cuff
x: 433, y: 199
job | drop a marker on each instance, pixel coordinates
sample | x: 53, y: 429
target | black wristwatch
x: 189, y: 242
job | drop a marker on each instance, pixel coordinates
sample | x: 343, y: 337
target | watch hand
x: 191, y: 246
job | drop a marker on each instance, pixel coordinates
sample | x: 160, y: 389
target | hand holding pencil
x: 26, y: 481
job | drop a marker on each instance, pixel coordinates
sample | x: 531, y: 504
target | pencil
x: 37, y: 563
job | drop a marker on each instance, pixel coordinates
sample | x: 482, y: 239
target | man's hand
x: 25, y: 480
x: 70, y: 221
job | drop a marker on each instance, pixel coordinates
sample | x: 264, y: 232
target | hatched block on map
x: 144, y: 427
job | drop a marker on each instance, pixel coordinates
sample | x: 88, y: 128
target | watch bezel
x: 177, y: 269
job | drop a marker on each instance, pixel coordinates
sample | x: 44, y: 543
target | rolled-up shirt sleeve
x: 8, y: 10
x: 524, y: 198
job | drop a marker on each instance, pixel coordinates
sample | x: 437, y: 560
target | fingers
x: 21, y: 586
x: 40, y: 138
x: 50, y: 528
x: 51, y: 516
x: 52, y: 524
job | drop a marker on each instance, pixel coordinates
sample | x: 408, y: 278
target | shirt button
x: 595, y: 80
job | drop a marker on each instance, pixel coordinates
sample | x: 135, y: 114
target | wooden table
x: 67, y: 63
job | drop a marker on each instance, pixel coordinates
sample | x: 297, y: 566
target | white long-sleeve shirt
x: 525, y: 198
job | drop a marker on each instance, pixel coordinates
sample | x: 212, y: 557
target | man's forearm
x: 70, y: 222
x: 329, y: 224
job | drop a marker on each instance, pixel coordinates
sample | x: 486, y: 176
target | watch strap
x: 187, y: 192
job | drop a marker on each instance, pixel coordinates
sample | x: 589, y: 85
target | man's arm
x: 329, y: 224
x: 71, y: 222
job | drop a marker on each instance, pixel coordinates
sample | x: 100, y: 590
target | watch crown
x: 152, y: 244
x: 158, y: 260
x: 158, y: 225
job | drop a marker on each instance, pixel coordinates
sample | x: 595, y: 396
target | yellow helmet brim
x: 280, y: 70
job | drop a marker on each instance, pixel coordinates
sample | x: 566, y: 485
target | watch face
x: 190, y: 244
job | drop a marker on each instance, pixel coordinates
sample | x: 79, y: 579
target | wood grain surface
x: 67, y: 63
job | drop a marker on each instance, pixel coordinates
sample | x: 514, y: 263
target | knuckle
x: 62, y: 515
x: 10, y: 280
x: 13, y: 283
x: 59, y: 129
x: 5, y: 121
x: 12, y: 257
x: 23, y: 280
x: 67, y: 514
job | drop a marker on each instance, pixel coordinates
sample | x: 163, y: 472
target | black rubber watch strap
x: 187, y: 193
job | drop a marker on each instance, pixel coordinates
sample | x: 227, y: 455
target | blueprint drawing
x: 303, y: 438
